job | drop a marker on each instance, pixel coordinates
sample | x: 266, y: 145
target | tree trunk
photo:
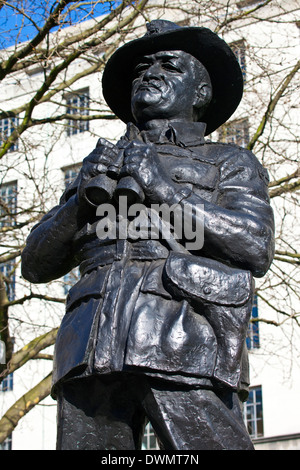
x: 4, y: 331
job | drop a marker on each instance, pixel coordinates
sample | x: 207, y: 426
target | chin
x: 146, y: 109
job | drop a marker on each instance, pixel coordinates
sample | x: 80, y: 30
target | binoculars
x: 113, y: 184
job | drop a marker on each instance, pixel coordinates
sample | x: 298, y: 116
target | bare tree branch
x: 22, y: 406
x: 285, y: 188
x: 52, y: 20
x: 11, y: 256
x: 29, y: 351
x: 44, y: 70
x: 285, y: 179
x: 21, y: 300
x: 242, y: 15
x: 272, y: 104
x: 63, y: 65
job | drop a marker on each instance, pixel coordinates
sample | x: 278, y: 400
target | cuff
x: 180, y: 195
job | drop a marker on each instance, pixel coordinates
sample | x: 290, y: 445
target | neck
x: 162, y: 124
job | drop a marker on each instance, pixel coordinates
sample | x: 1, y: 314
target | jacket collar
x: 183, y: 134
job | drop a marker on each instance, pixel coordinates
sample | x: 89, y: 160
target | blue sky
x: 14, y: 26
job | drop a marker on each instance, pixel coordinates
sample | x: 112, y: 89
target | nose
x: 153, y: 71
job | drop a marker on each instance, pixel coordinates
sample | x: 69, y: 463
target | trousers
x: 111, y: 412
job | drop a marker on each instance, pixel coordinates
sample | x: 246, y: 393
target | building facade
x: 46, y: 159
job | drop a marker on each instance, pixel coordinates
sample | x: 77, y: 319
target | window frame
x: 8, y: 271
x: 231, y: 137
x: 7, y: 127
x: 8, y: 204
x: 254, y: 420
x: 7, y: 443
x: 70, y: 172
x: 149, y: 439
x: 7, y: 384
x: 239, y: 50
x: 74, y: 106
x: 252, y: 338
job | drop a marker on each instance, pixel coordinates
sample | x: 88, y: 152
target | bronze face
x: 166, y: 86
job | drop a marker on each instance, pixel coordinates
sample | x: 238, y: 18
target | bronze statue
x: 155, y: 328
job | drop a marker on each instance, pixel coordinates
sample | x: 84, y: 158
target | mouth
x: 148, y: 87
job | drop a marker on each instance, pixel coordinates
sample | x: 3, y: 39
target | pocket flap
x: 208, y: 279
x: 92, y: 284
x: 153, y: 280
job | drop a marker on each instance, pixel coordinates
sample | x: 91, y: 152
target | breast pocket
x: 202, y: 175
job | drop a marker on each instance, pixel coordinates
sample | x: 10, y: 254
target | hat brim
x: 214, y: 53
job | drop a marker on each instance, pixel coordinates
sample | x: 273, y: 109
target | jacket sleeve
x: 48, y: 252
x: 239, y: 226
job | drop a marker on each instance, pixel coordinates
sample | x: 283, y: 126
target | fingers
x: 136, y: 152
x: 137, y: 156
x: 132, y: 161
x: 104, y: 155
x: 90, y: 169
x: 104, y: 152
x: 104, y: 143
x: 139, y: 145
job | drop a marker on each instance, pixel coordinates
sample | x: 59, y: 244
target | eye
x: 139, y: 69
x: 171, y: 67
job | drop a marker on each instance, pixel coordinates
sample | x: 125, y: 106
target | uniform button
x: 206, y: 290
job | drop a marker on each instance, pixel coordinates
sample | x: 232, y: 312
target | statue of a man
x: 155, y: 328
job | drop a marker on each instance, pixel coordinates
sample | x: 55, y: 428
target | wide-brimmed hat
x: 206, y: 46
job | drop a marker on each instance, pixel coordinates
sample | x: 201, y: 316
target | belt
x: 144, y: 250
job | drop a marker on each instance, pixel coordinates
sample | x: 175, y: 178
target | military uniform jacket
x: 144, y: 307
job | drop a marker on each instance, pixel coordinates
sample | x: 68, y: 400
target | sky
x: 18, y: 27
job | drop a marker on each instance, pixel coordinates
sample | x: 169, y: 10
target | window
x: 7, y: 126
x: 77, y: 104
x: 149, y: 439
x: 253, y: 412
x: 70, y: 173
x: 7, y: 383
x: 6, y: 444
x: 239, y: 50
x: 236, y: 132
x: 8, y: 204
x: 252, y: 339
x: 8, y: 272
x: 73, y: 276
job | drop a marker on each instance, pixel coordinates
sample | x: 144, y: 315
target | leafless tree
x: 270, y: 107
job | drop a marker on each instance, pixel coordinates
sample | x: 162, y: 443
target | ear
x: 203, y: 95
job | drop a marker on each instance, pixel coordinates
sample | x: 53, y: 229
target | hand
x: 97, y: 162
x: 141, y: 161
